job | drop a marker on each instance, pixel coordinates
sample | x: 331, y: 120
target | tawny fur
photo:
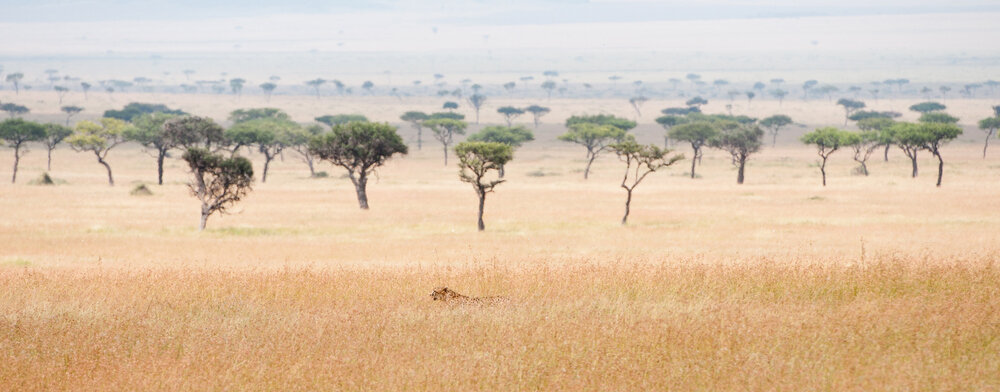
x: 448, y: 295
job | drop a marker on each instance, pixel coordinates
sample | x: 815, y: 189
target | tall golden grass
x: 871, y: 283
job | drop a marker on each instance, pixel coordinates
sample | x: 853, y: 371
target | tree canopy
x: 360, y: 148
x: 476, y: 160
x: 136, y: 109
x: 337, y: 119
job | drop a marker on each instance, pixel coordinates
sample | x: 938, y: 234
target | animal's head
x: 442, y: 294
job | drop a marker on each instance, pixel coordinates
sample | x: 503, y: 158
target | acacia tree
x: 14, y: 110
x: 864, y: 144
x: 774, y: 124
x: 15, y: 79
x: 827, y: 141
x: 989, y: 126
x: 317, y: 83
x: 477, y: 101
x: 696, y: 102
x: 514, y: 137
x: 596, y: 138
x: 549, y: 85
x: 86, y: 88
x: 237, y: 86
x: 148, y: 131
x: 444, y: 130
x: 269, y: 135
x: 337, y: 119
x: 416, y: 119
x: 936, y: 135
x: 268, y: 89
x: 640, y: 160
x: 909, y: 138
x: 780, y: 94
x: 698, y: 134
x: 99, y: 138
x: 61, y: 92
x: 451, y: 106
x: 219, y: 182
x: 475, y: 160
x: 537, y: 112
x: 881, y: 126
x: 667, y: 122
x: 70, y: 112
x: 636, y: 103
x: 54, y: 134
x: 194, y: 131
x: 509, y: 113
x: 361, y: 148
x: 927, y: 107
x: 17, y: 133
x: 298, y: 140
x: 938, y: 117
x: 850, y: 106
x: 740, y: 141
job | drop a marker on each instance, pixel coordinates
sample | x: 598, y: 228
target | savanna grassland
x: 871, y: 283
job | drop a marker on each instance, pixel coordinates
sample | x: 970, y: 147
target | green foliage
x: 450, y: 106
x: 927, y: 107
x: 136, y: 109
x: 740, y: 141
x: 669, y: 121
x: 680, y: 111
x: 938, y: 117
x: 601, y: 119
x: 862, y: 115
x: 989, y: 123
x: 148, y: 130
x: 595, y: 137
x: 193, y: 131
x: 514, y: 137
x: 15, y: 132
x: 359, y: 147
x: 14, y: 109
x: 476, y: 159
x: 99, y: 137
x: 219, y: 182
x: 337, y: 119
x: 696, y: 102
x: 414, y: 117
x: 827, y: 139
x: 447, y: 115
x: 510, y: 113
x: 141, y: 190
x: 875, y: 123
x: 696, y: 133
x: 444, y: 130
x: 243, y: 115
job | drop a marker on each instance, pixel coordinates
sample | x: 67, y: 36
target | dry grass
x: 872, y: 283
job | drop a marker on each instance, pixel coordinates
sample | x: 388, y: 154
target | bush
x: 141, y: 190
x: 44, y: 179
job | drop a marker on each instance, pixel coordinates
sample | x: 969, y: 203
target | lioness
x: 448, y: 295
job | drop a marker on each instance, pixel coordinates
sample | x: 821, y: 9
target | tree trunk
x: 360, y: 185
x: 886, y: 154
x: 111, y: 180
x: 501, y: 171
x: 694, y: 160
x: 159, y: 165
x: 822, y: 169
x: 864, y: 168
x: 420, y: 138
x: 267, y: 162
x: 666, y: 141
x: 312, y: 169
x: 940, y: 167
x: 445, y: 154
x: 205, y: 212
x: 774, y: 139
x: 17, y: 159
x: 482, y: 206
x: 590, y: 160
x: 913, y: 160
x: 739, y: 175
x: 48, y: 164
x: 628, y: 203
x: 985, y: 146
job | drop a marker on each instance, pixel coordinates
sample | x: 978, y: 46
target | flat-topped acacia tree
x: 667, y: 122
x: 444, y: 130
x: 936, y: 135
x: 537, y: 112
x: 864, y: 143
x: 219, y: 182
x: 740, y: 141
x: 698, y: 134
x: 509, y: 113
x: 514, y: 137
x: 17, y: 133
x: 416, y: 119
x: 148, y: 131
x: 332, y: 120
x: 54, y: 134
x: 989, y: 126
x: 360, y: 148
x: 476, y: 160
x: 827, y: 141
x: 99, y: 137
x: 269, y: 135
x: 595, y: 138
x: 194, y: 131
x: 774, y: 124
x: 640, y: 160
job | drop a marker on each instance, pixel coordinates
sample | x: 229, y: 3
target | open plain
x: 882, y: 282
